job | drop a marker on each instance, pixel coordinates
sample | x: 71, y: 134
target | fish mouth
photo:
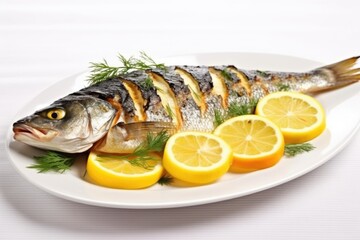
x: 25, y: 131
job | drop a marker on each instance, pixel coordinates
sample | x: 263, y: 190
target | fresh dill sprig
x: 147, y: 83
x: 52, y: 161
x: 219, y: 117
x: 142, y: 155
x: 165, y: 180
x: 102, y: 71
x: 242, y: 109
x: 197, y: 96
x: 234, y: 110
x: 262, y: 73
x: 283, y: 87
x: 292, y: 150
x: 237, y: 110
x: 226, y: 74
x: 169, y: 111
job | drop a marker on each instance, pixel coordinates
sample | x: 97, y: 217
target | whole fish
x: 116, y: 114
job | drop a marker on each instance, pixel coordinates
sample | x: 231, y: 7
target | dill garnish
x: 283, y: 87
x: 262, y: 73
x: 142, y: 155
x: 169, y: 111
x: 102, y: 71
x: 234, y: 110
x: 197, y: 96
x: 159, y: 89
x: 292, y: 150
x: 165, y: 180
x: 243, y: 109
x: 147, y: 84
x: 52, y: 161
x: 219, y: 117
x: 226, y: 75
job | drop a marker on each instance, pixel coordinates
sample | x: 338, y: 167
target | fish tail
x: 344, y: 72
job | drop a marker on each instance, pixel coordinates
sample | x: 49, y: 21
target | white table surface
x: 42, y: 42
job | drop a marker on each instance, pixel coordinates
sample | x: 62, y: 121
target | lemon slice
x: 257, y: 142
x: 196, y: 157
x: 299, y: 116
x: 116, y: 173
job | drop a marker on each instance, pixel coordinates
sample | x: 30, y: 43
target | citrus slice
x: 299, y: 116
x: 196, y: 157
x: 257, y: 143
x: 109, y: 171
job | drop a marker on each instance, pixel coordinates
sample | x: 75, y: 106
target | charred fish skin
x: 177, y: 98
x: 152, y: 106
x: 201, y: 75
x: 114, y: 92
x: 189, y: 96
x: 144, y: 83
x: 233, y: 86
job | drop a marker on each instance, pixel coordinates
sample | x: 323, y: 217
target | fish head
x: 72, y: 124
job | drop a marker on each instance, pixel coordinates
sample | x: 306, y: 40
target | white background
x: 42, y: 42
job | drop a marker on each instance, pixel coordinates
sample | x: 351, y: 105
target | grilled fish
x: 116, y: 114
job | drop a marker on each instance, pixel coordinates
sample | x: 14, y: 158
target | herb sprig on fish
x: 234, y: 110
x: 102, y: 71
x: 142, y: 154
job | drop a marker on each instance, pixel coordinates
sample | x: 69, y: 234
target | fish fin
x: 125, y: 137
x: 138, y: 130
x: 344, y: 72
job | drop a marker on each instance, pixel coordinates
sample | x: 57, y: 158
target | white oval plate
x: 342, y: 123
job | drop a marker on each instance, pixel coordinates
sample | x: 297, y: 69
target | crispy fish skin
x: 178, y: 98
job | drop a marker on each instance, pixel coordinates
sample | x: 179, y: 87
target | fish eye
x: 55, y: 114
